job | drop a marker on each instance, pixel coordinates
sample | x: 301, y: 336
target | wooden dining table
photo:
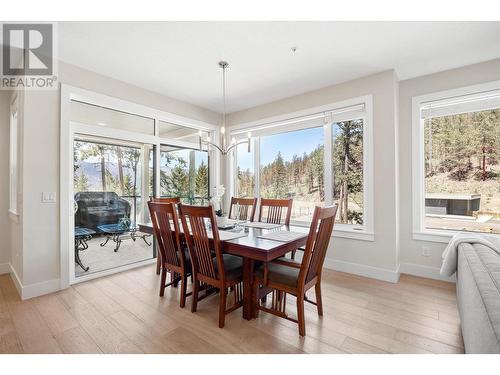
x: 253, y: 248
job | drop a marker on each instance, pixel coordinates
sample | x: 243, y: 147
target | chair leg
x: 163, y: 281
x: 196, y: 289
x: 319, y: 301
x: 222, y: 307
x: 172, y: 279
x: 293, y: 254
x: 301, y: 316
x: 257, y: 300
x: 158, y: 264
x: 183, y: 290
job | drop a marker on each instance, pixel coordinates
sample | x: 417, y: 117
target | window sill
x: 354, y: 234
x: 14, y: 216
x: 442, y: 236
x: 344, y: 231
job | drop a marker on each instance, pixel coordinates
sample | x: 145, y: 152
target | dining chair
x: 174, y: 200
x: 166, y: 200
x: 272, y: 210
x: 285, y: 276
x: 224, y: 271
x: 247, y: 208
x: 174, y: 257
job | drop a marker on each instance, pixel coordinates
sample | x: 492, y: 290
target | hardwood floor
x: 124, y: 314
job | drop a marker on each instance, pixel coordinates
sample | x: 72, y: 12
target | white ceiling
x: 179, y: 59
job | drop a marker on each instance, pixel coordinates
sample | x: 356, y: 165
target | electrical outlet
x: 426, y: 251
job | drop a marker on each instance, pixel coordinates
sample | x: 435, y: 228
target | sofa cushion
x: 478, y: 289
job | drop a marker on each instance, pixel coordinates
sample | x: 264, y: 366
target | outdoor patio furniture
x: 119, y: 232
x: 99, y: 208
x: 82, y: 236
x: 452, y: 204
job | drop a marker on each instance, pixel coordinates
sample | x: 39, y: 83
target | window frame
x: 14, y: 160
x: 419, y: 231
x: 359, y: 232
x: 186, y: 148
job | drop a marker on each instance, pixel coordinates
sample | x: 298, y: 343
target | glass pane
x: 286, y: 174
x: 246, y: 171
x: 180, y: 133
x: 184, y: 173
x: 462, y: 175
x: 93, y: 115
x: 348, y: 170
x: 109, y: 202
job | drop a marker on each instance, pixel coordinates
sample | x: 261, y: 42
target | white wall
x: 378, y: 258
x: 4, y: 182
x: 411, y: 250
x: 40, y: 271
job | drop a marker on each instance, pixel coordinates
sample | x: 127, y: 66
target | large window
x: 292, y: 166
x: 13, y: 165
x: 460, y: 156
x: 317, y: 159
x: 184, y: 173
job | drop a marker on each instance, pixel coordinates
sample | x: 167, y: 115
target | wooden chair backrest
x: 166, y: 200
x: 247, y: 208
x: 275, y: 209
x: 166, y: 229
x: 198, y: 242
x: 317, y: 243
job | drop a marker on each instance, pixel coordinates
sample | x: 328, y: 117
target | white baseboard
x: 36, y: 289
x: 363, y: 270
x: 424, y: 271
x: 17, y: 281
x: 4, y: 268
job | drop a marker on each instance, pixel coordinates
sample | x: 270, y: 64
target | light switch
x: 48, y: 197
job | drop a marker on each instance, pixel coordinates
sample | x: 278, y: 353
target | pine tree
x: 201, y: 183
x: 81, y: 183
x: 279, y: 183
x: 178, y: 182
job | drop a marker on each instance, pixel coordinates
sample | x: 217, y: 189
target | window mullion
x: 327, y: 163
x: 257, y: 166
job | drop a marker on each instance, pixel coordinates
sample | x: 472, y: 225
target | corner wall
x: 4, y: 181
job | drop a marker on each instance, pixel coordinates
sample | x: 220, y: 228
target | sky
x: 288, y: 144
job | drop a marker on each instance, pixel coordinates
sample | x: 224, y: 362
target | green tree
x: 81, y: 183
x: 348, y: 164
x: 178, y: 181
x: 279, y: 186
x: 201, y: 183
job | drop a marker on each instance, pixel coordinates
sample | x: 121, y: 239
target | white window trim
x: 419, y: 232
x: 365, y: 232
x: 14, y: 158
x: 69, y: 129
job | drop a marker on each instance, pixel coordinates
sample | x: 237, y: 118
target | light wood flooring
x: 123, y: 313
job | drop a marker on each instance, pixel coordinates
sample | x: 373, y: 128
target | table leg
x: 248, y: 300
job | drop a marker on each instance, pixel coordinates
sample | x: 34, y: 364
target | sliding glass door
x: 112, y: 183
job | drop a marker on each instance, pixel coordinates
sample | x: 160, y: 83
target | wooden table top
x: 252, y: 246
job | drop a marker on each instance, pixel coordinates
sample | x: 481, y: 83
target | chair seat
x: 233, y: 265
x: 279, y: 274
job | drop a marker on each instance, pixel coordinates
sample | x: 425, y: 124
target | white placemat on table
x: 258, y: 224
x: 283, y: 236
x: 226, y: 235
